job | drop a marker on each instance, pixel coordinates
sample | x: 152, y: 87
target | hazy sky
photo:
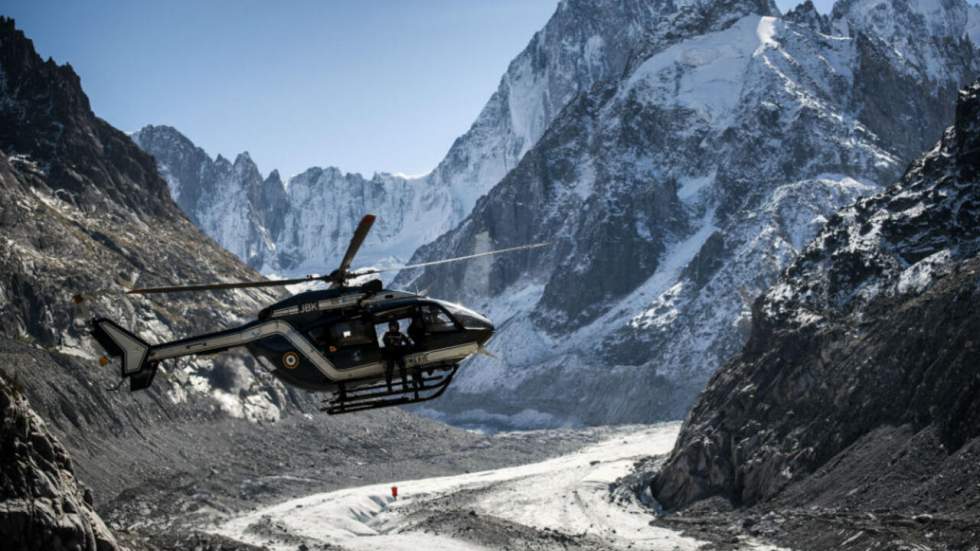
x: 362, y: 85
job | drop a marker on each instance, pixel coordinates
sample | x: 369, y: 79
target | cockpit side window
x: 435, y: 319
x: 466, y: 317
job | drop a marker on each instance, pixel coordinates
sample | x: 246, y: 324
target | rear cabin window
x: 348, y: 343
x: 351, y: 333
x: 343, y: 334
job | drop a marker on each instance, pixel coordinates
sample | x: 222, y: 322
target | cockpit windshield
x: 466, y: 317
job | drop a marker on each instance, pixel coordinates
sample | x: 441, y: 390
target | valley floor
x: 585, y: 499
x: 287, y: 486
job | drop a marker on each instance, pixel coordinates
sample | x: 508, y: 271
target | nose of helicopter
x: 476, y: 326
x: 481, y: 330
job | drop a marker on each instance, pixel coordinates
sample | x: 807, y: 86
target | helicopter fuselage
x: 323, y: 340
x: 335, y: 336
x: 331, y: 340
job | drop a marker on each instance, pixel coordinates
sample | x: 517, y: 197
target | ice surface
x: 705, y: 73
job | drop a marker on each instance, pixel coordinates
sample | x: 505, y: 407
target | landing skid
x: 378, y: 396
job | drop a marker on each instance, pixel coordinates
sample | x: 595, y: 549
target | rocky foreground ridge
x: 43, y: 507
x: 859, y: 388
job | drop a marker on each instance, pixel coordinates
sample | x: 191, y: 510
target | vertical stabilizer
x: 133, y: 351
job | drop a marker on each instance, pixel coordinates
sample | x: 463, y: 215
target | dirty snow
x: 569, y: 494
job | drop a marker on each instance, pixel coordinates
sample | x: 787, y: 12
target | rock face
x: 85, y: 211
x: 858, y: 387
x: 301, y: 227
x: 42, y: 506
x: 676, y: 190
x: 230, y: 202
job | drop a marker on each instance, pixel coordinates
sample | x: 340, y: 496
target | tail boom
x: 139, y: 360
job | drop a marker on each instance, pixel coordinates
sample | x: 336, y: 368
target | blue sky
x: 362, y: 85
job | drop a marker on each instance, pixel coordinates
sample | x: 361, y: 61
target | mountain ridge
x: 857, y: 391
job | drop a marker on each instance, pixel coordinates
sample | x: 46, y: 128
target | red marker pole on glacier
x: 394, y: 492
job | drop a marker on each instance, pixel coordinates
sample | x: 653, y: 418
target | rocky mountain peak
x: 903, y: 23
x: 897, y: 242
x: 246, y: 173
x: 45, y: 118
x: 806, y: 15
x: 222, y: 161
x: 160, y: 135
x: 20, y: 63
x: 245, y: 161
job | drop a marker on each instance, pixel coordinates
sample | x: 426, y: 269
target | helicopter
x: 327, y: 340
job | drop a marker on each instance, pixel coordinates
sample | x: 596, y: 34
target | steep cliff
x: 859, y: 387
x: 42, y: 505
x: 229, y: 202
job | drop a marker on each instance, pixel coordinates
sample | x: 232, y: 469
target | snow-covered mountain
x: 288, y: 228
x: 585, y: 42
x: 675, y: 191
x: 230, y: 202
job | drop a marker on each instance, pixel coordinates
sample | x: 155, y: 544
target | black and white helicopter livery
x: 327, y: 340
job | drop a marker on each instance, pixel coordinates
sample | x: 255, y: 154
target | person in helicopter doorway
x: 396, y: 346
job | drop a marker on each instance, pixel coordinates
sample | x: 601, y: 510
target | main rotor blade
x: 457, y: 259
x: 355, y: 243
x: 216, y: 286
